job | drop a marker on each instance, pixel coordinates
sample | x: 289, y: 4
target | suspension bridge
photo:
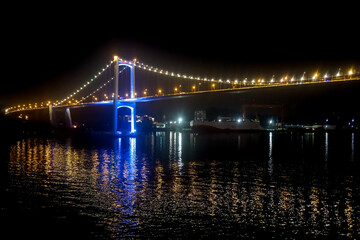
x: 115, y: 86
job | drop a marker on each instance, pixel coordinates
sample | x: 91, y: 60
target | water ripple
x: 184, y: 185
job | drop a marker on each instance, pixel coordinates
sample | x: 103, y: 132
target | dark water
x: 183, y: 185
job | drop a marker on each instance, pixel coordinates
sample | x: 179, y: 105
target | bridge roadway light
x: 303, y: 77
x: 351, y: 72
x: 315, y: 76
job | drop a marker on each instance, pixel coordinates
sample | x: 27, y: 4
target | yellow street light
x: 315, y: 76
x: 350, y: 73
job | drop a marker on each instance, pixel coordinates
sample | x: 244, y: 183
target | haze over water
x: 184, y: 185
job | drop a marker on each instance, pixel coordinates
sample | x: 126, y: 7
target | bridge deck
x: 187, y: 94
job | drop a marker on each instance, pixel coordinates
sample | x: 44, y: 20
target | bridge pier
x: 132, y: 107
x: 68, y: 121
x: 52, y: 116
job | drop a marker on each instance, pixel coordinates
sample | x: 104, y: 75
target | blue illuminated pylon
x: 128, y: 104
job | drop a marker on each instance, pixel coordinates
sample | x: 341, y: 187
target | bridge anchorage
x: 129, y: 103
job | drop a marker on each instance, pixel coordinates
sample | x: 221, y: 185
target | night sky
x: 50, y: 50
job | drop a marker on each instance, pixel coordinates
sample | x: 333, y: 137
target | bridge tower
x: 128, y: 103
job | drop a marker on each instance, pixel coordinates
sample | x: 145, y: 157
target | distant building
x: 200, y: 115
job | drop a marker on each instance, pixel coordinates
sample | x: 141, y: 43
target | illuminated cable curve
x: 245, y: 81
x: 99, y: 88
x: 178, y: 75
x: 85, y: 85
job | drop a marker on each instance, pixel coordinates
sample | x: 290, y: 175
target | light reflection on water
x: 189, y: 185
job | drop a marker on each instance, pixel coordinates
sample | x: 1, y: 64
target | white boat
x: 226, y: 125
